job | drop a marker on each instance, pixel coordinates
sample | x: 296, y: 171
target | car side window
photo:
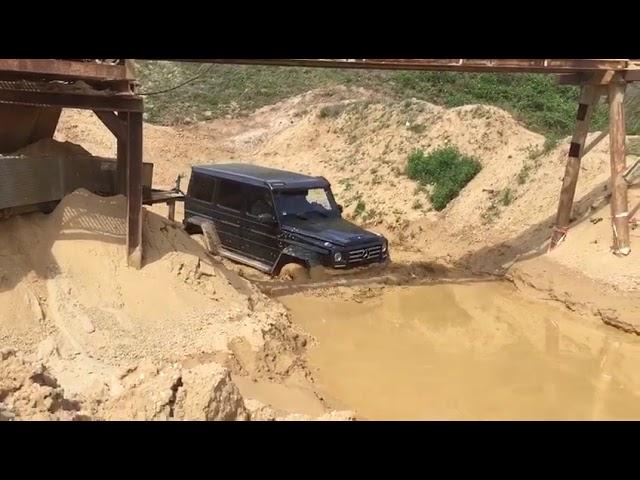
x: 201, y: 187
x: 230, y: 195
x: 258, y: 201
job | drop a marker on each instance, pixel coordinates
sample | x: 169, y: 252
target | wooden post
x: 619, y: 201
x: 588, y: 99
x: 134, y: 190
x: 122, y: 163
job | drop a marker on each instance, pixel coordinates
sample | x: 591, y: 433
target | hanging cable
x: 186, y: 82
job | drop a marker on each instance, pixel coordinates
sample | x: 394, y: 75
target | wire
x: 187, y: 82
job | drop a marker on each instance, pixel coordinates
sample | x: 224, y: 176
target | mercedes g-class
x: 268, y: 218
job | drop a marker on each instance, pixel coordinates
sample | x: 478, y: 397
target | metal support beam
x: 588, y: 98
x: 128, y: 103
x: 122, y: 163
x: 453, y: 64
x: 586, y: 78
x: 171, y: 214
x: 619, y: 200
x: 134, y: 190
x: 64, y: 69
x: 113, y: 123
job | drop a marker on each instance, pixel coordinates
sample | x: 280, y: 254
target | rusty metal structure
x: 34, y: 91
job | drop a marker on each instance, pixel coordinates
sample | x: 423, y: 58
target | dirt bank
x: 162, y: 341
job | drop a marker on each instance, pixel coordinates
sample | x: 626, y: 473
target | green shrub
x: 506, y: 197
x: 446, y: 169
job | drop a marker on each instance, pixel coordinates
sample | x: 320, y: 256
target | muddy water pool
x: 473, y: 351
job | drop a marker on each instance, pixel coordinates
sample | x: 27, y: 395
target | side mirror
x: 340, y: 208
x: 266, y: 218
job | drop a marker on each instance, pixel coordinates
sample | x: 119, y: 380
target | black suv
x: 269, y: 218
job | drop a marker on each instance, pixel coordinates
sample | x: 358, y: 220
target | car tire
x: 294, y: 272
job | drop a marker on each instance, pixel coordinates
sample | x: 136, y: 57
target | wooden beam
x: 619, y: 200
x: 595, y: 142
x: 134, y: 190
x: 125, y: 103
x: 113, y: 123
x: 588, y: 98
x: 65, y: 69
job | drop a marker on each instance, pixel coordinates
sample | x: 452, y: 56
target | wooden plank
x: 619, y: 199
x: 113, y: 123
x: 127, y: 103
x: 588, y: 99
x: 595, y: 142
x: 134, y: 190
x: 65, y: 69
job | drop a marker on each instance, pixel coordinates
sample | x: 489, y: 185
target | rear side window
x: 258, y: 200
x: 201, y: 188
x: 230, y: 195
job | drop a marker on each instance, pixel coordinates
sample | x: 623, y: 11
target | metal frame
x: 111, y: 94
x: 108, y: 90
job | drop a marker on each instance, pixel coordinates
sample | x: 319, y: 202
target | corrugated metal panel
x: 32, y: 180
x: 25, y: 181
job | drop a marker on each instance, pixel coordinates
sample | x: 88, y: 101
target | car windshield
x: 306, y: 203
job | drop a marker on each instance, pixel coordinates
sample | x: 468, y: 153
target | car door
x: 260, y: 235
x: 228, y: 206
x: 199, y: 199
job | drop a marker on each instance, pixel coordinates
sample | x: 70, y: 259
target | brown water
x: 477, y: 351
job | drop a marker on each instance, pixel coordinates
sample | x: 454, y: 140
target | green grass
x: 533, y: 99
x: 524, y: 173
x: 446, y: 169
x: 360, y: 207
x: 506, y: 197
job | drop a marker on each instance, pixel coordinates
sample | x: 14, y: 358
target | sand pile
x: 69, y: 302
x: 51, y: 147
x: 28, y: 391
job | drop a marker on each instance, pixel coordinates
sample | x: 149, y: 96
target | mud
x: 456, y: 351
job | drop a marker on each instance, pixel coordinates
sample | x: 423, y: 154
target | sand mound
x: 28, y: 391
x: 52, y: 147
x: 68, y: 298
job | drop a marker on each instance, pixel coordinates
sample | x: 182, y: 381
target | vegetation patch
x: 446, y: 169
